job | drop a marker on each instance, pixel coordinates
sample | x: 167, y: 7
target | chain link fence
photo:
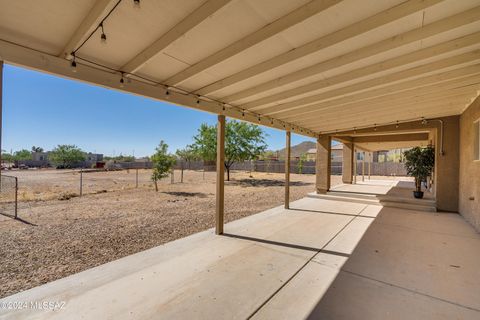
x: 8, y: 196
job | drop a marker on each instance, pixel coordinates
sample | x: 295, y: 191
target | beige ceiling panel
x: 263, y: 51
x: 333, y: 19
x: 232, y: 23
x: 34, y: 23
x: 447, y: 8
x: 130, y: 30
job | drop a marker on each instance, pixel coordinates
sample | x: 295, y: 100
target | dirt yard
x: 63, y: 233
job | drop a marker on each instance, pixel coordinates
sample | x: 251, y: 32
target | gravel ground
x: 62, y: 237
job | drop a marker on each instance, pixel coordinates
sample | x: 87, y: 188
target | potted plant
x: 419, y: 163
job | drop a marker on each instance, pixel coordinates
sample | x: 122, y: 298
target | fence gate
x: 8, y: 196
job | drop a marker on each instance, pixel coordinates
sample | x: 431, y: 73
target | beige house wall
x: 447, y: 165
x: 469, y: 184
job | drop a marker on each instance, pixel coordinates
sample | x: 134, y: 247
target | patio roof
x: 307, y: 66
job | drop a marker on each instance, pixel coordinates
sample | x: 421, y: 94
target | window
x: 476, y: 140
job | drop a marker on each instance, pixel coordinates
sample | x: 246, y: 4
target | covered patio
x: 321, y: 259
x: 391, y: 71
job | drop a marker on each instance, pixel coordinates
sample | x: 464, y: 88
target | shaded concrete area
x: 403, y: 188
x: 321, y: 259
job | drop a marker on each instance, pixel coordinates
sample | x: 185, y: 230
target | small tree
x: 162, y: 163
x: 187, y: 155
x: 419, y: 163
x: 21, y: 155
x: 267, y: 156
x: 66, y: 155
x: 7, y: 157
x: 243, y: 141
x: 301, y: 161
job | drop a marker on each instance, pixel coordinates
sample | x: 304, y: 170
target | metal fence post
x: 16, y: 197
x: 136, y: 178
x: 81, y: 182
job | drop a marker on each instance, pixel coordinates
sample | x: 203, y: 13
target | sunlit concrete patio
x: 320, y: 259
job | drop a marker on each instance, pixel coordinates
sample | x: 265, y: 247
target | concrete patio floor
x: 400, y: 187
x: 321, y: 259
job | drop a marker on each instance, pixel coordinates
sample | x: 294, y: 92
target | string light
x: 375, y: 127
x: 397, y: 125
x: 167, y: 94
x: 136, y: 4
x: 73, y: 64
x: 424, y: 121
x: 103, y: 37
x: 122, y: 81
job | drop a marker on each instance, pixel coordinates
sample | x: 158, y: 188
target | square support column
x: 323, y: 164
x: 220, y: 195
x: 288, y: 139
x: 354, y: 165
x: 347, y: 164
x: 1, y: 114
x: 370, y: 157
x: 363, y: 166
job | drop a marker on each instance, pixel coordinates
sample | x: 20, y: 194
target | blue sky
x: 44, y: 110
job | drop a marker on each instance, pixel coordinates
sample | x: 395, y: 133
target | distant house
x: 41, y: 159
x: 39, y: 156
x: 93, y: 157
x: 337, y: 153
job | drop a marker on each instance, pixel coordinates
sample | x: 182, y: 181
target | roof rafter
x: 377, y: 20
x: 379, y: 81
x: 188, y: 23
x: 393, y: 111
x: 437, y: 81
x: 381, y: 66
x: 392, y: 137
x: 430, y: 97
x: 89, y: 23
x: 447, y: 109
x: 298, y: 15
x: 396, y: 41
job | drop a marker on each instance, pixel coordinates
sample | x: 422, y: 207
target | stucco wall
x: 447, y: 175
x: 469, y: 186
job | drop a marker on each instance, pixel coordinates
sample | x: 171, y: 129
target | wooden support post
x: 136, y: 178
x: 354, y: 165
x: 81, y: 182
x: 287, y: 168
x: 369, y: 164
x: 363, y: 166
x: 220, y: 196
x: 323, y: 164
x: 348, y: 163
x: 16, y: 197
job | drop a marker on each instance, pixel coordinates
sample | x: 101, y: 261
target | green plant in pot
x: 419, y: 163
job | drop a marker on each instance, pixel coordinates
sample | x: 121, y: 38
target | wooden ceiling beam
x: 436, y: 66
x: 408, y: 112
x: 88, y: 25
x: 396, y: 41
x: 189, y: 22
x: 439, y: 90
x: 460, y: 76
x: 402, y: 10
x: 296, y: 16
x: 404, y: 60
x: 419, y: 102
